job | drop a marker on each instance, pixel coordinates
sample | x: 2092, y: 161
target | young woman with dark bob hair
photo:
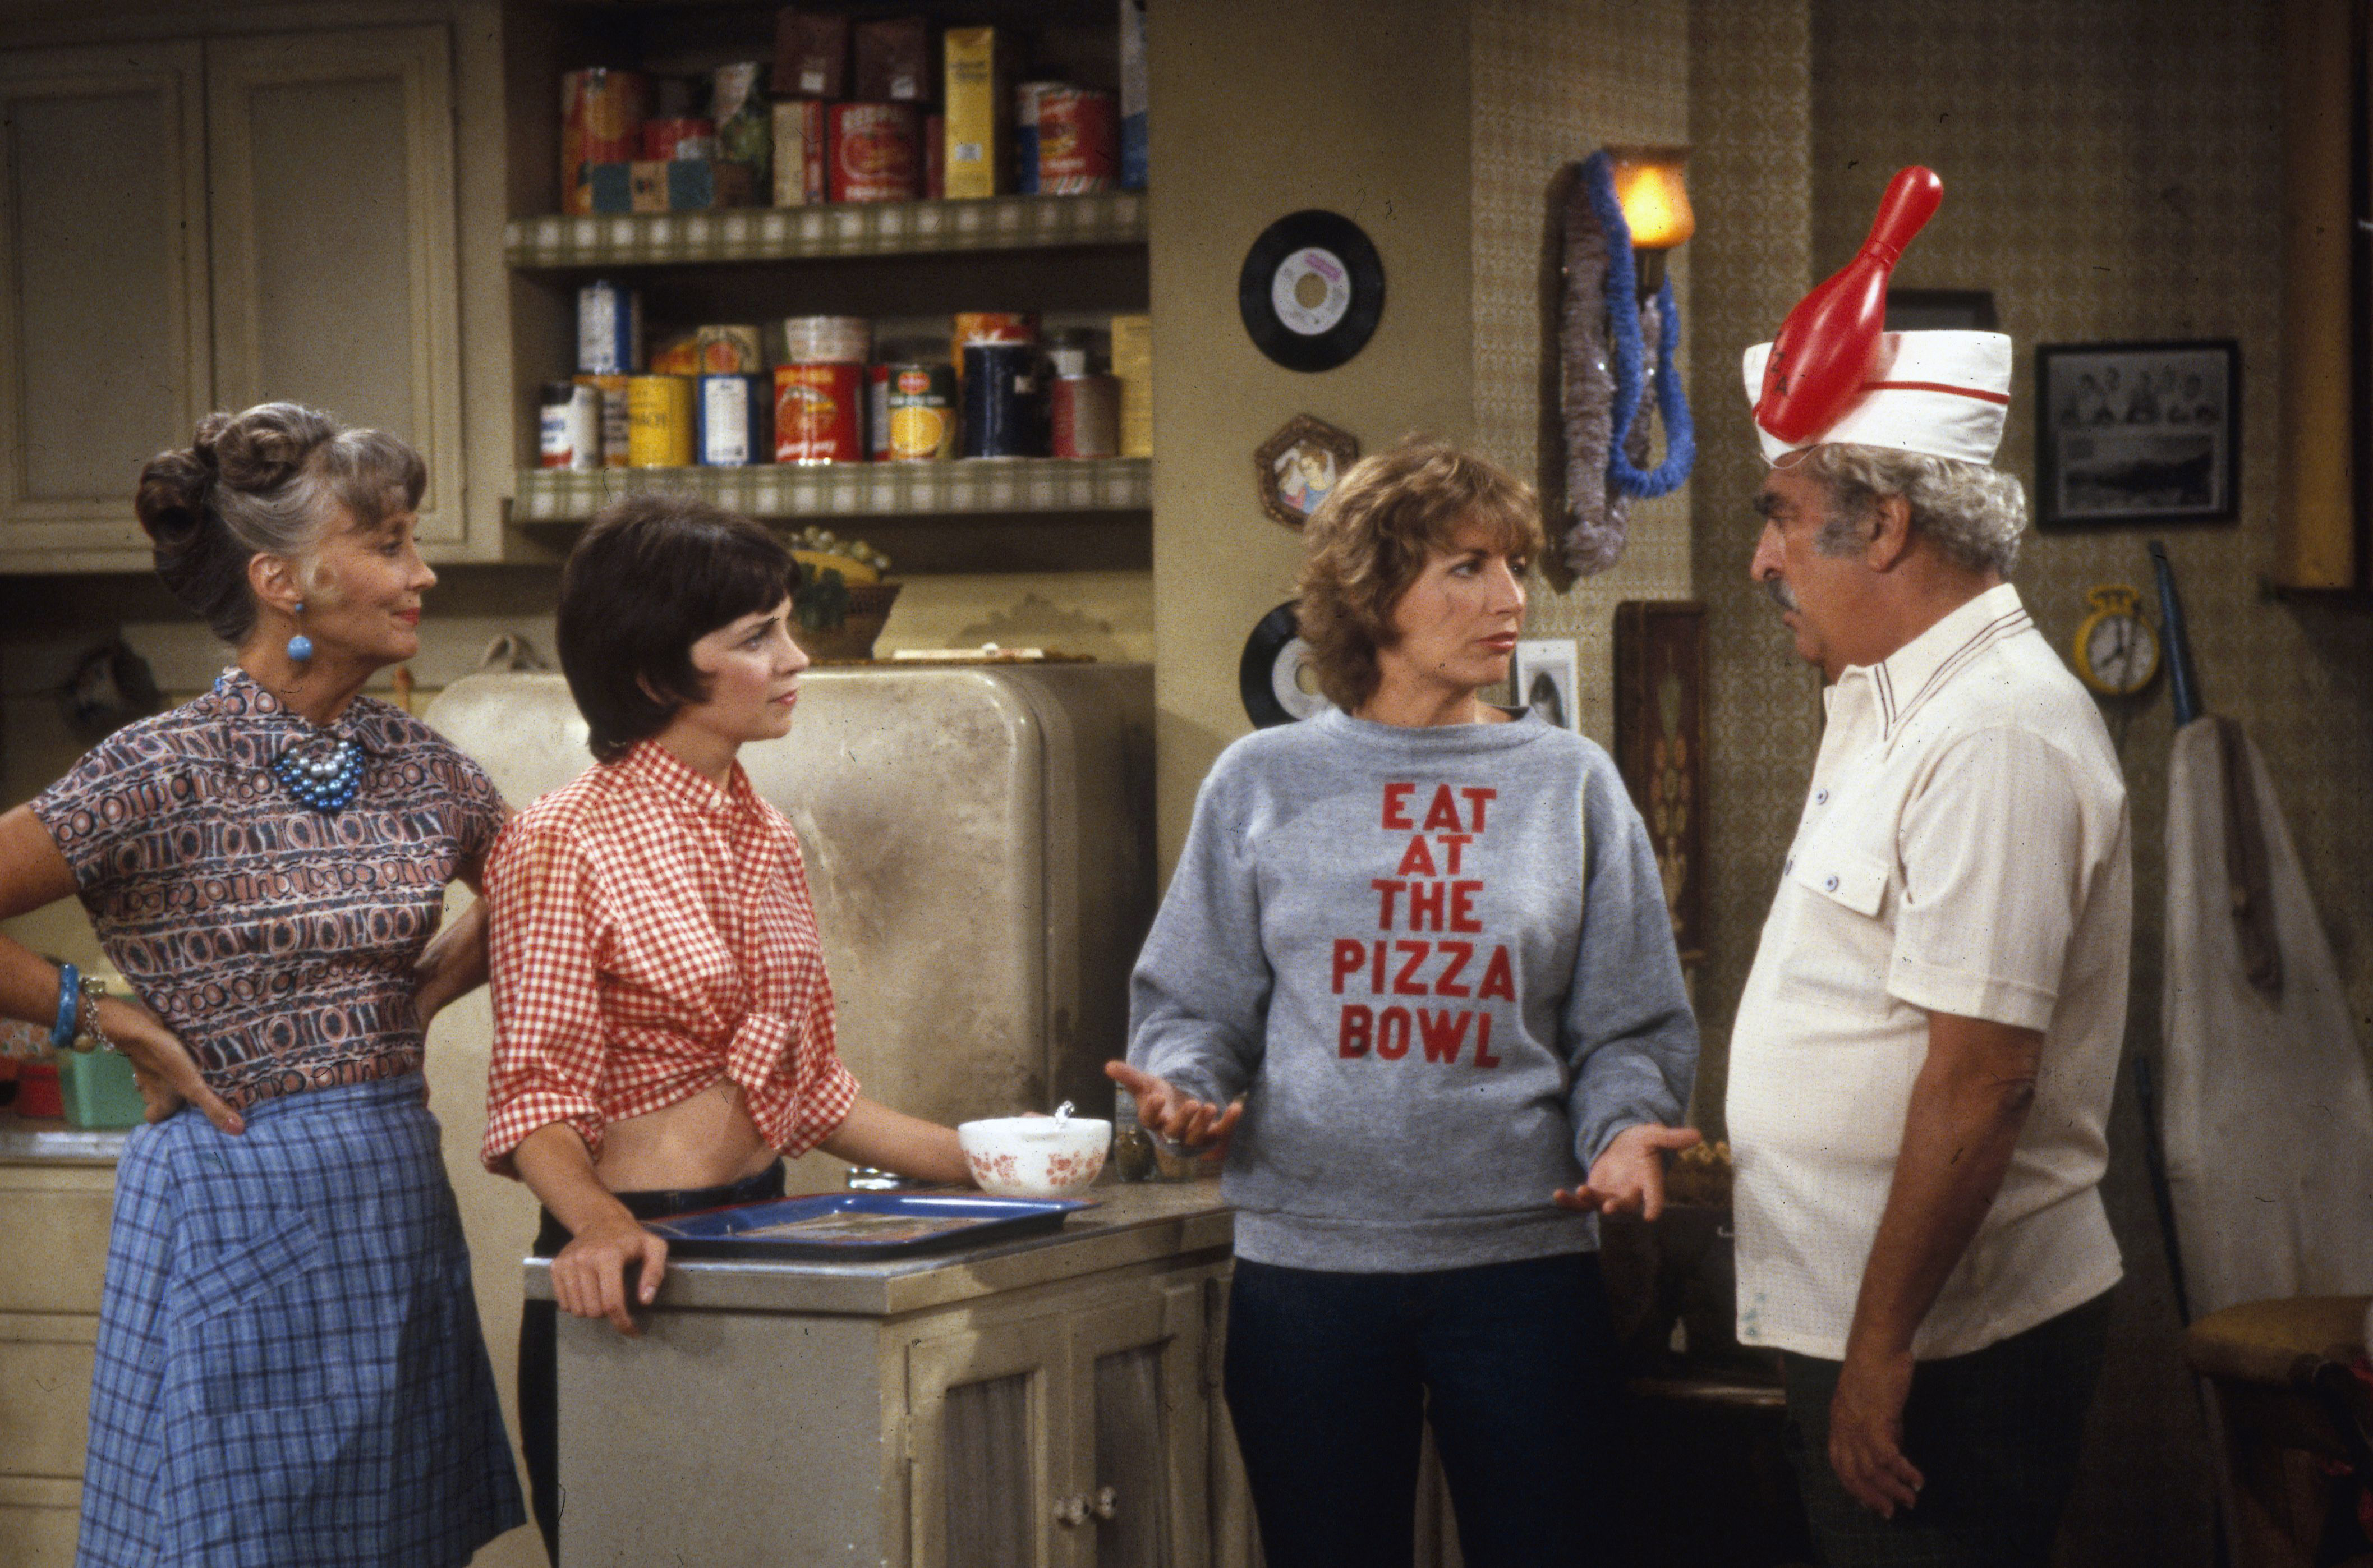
x: 1414, y: 968
x: 663, y: 1027
x: 288, y: 1366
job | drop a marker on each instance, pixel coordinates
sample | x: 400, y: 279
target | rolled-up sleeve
x: 1992, y: 847
x: 543, y: 941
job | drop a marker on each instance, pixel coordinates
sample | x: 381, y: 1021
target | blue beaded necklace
x: 326, y: 784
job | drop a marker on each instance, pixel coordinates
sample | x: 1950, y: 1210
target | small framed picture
x: 1545, y: 672
x: 2137, y: 432
x: 1299, y: 467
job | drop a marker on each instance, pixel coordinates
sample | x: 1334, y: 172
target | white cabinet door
x: 331, y: 161
x: 104, y: 351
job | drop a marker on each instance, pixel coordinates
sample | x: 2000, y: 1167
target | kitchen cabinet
x: 104, y: 320
x: 272, y: 210
x: 330, y: 166
x: 1054, y: 1401
x: 58, y: 1189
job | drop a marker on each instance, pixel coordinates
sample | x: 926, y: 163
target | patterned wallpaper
x: 1552, y: 83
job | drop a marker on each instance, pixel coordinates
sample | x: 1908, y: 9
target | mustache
x: 1782, y: 594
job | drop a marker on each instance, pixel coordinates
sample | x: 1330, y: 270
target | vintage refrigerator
x: 979, y: 843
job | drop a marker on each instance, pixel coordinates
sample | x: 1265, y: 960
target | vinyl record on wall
x: 1274, y: 677
x: 1312, y: 291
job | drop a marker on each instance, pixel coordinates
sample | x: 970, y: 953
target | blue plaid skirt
x: 289, y: 1367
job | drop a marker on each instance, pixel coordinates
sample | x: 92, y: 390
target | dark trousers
x: 1330, y: 1375
x: 1995, y: 1436
x: 539, y: 1350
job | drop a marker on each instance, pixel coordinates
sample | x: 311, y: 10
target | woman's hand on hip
x: 589, y: 1276
x: 1196, y: 1123
x: 1629, y: 1177
x: 452, y: 965
x: 162, y: 1067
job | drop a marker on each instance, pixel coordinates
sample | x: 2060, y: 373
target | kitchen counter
x: 1041, y: 1401
x: 51, y: 1140
x: 1132, y: 1222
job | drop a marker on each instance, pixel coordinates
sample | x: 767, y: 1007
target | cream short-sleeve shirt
x: 1963, y: 849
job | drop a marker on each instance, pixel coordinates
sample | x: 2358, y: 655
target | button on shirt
x: 1964, y: 849
x: 651, y: 934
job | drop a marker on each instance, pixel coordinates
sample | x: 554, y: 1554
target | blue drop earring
x: 300, y: 647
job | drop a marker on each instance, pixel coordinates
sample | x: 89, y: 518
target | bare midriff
x: 707, y: 1140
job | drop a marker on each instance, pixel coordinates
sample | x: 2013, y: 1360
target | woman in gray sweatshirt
x: 1414, y: 968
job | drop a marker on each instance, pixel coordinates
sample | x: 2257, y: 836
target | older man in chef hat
x: 1922, y: 1068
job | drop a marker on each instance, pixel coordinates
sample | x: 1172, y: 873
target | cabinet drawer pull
x: 1107, y: 1503
x: 1071, y: 1511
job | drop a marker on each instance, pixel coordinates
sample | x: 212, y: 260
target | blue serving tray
x: 857, y: 1226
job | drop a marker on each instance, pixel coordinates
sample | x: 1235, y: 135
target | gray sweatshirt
x: 1438, y: 965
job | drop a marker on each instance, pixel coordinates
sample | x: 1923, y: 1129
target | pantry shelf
x: 854, y: 489
x: 862, y: 228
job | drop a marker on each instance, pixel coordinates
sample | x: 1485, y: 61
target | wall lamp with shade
x: 1625, y: 209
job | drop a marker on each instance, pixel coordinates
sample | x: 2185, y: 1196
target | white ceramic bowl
x: 1034, y: 1156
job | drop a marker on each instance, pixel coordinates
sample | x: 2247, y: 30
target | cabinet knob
x: 1107, y: 1503
x: 1071, y: 1511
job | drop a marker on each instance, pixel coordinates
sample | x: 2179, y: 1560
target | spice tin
x: 737, y: 420
x: 1079, y: 141
x: 1000, y: 399
x: 615, y: 422
x: 801, y: 164
x: 807, y: 338
x: 818, y: 412
x: 1083, y: 415
x: 877, y: 154
x: 658, y: 411
x: 1026, y: 98
x: 609, y: 329
x: 922, y: 412
x: 601, y: 121
x: 568, y: 426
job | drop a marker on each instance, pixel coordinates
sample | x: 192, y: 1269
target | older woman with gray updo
x: 290, y: 1366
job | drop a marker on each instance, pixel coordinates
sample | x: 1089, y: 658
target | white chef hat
x: 1945, y: 393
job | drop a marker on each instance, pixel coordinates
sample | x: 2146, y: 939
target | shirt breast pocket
x: 1841, y: 947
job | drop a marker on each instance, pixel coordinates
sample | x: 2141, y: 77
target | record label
x: 1312, y: 291
x: 1275, y: 677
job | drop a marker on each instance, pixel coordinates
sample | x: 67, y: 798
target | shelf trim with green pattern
x: 847, y: 228
x: 854, y: 489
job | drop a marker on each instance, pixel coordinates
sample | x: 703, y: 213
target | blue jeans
x: 1329, y: 1377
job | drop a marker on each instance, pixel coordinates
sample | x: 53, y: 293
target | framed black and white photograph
x: 1547, y: 669
x: 2137, y: 432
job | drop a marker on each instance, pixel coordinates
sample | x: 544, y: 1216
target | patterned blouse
x: 276, y: 941
x: 651, y: 934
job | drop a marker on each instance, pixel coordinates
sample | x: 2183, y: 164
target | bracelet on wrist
x: 89, y: 1035
x: 62, y: 1033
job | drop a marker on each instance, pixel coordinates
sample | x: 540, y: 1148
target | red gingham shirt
x: 651, y: 933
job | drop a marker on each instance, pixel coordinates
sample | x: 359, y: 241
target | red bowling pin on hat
x: 1830, y: 344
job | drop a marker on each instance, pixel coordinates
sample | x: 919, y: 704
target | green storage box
x: 97, y: 1089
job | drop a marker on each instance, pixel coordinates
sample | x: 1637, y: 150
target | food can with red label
x: 922, y: 412
x: 659, y: 411
x: 1027, y: 96
x: 601, y: 121
x: 737, y: 420
x: 876, y: 152
x: 1079, y: 141
x: 818, y: 414
x: 569, y: 427
x: 679, y: 137
x: 1083, y: 412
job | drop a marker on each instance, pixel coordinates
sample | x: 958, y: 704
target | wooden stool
x: 2283, y: 1390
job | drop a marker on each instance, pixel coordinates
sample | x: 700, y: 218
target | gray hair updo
x: 1975, y: 514
x: 270, y: 481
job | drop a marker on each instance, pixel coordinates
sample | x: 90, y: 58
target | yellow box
x: 659, y: 413
x: 1132, y: 364
x: 980, y: 113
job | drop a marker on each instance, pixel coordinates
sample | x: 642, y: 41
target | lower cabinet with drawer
x: 57, y: 1210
